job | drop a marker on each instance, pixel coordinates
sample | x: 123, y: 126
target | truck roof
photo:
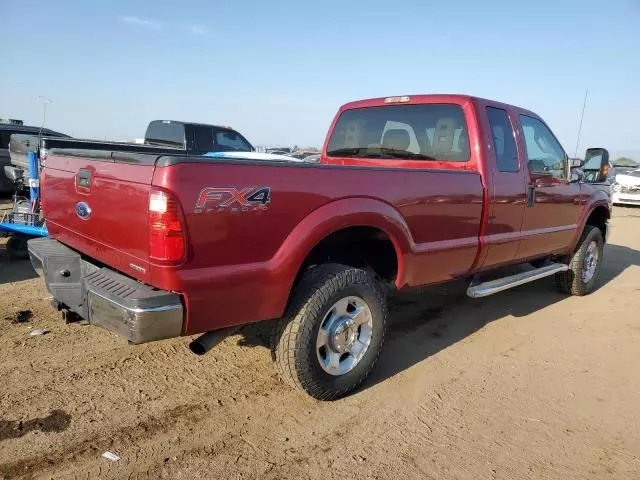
x: 9, y: 127
x: 425, y: 98
x: 226, y: 127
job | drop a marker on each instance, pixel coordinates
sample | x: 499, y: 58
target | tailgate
x: 98, y: 205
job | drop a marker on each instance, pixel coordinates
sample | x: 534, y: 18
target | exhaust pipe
x: 207, y: 341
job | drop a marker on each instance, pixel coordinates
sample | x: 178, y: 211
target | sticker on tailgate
x: 231, y: 199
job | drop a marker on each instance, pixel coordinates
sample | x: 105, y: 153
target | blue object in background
x: 31, y: 230
x: 34, y: 177
x: 34, y: 194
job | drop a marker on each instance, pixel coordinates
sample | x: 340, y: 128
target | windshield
x: 414, y: 132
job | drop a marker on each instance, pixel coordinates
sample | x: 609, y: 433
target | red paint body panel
x: 445, y: 219
x: 506, y: 195
x: 116, y: 232
x: 241, y: 266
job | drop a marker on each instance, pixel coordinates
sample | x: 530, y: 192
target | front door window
x: 544, y: 153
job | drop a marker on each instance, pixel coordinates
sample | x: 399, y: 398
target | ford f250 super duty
x: 409, y: 191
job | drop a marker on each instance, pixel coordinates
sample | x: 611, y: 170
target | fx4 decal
x: 223, y: 199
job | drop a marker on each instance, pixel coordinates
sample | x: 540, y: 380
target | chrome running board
x: 494, y: 286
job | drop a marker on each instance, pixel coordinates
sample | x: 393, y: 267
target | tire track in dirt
x: 95, y: 445
x: 529, y: 384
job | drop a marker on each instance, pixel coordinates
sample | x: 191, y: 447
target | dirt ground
x: 524, y: 384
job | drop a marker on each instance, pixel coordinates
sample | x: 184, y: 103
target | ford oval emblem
x: 83, y: 210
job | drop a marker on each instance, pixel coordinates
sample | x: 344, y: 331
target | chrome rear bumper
x: 104, y: 297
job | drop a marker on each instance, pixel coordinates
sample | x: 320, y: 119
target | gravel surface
x: 524, y: 384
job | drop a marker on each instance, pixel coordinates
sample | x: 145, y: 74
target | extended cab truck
x: 192, y: 138
x: 409, y: 191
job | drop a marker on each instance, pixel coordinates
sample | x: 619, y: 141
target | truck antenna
x: 45, y: 102
x: 586, y: 92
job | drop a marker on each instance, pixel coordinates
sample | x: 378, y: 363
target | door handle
x: 531, y: 195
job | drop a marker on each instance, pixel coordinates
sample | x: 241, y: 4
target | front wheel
x: 584, y: 267
x: 332, y: 334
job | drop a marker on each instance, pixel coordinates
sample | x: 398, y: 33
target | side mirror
x: 596, y: 165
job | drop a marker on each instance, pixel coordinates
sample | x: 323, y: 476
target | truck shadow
x: 445, y: 315
x: 14, y: 270
x: 428, y: 320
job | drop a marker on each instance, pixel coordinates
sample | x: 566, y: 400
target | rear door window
x: 414, y: 132
x: 230, y: 141
x: 209, y: 139
x: 203, y: 139
x: 504, y: 143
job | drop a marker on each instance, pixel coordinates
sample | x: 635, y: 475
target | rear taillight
x: 167, y: 239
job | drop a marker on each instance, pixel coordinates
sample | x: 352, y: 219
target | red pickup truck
x: 409, y: 191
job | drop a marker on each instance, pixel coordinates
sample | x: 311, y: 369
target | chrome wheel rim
x: 344, y: 335
x: 590, y: 262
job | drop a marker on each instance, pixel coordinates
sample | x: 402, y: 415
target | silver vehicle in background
x: 625, y: 189
x: 622, y: 183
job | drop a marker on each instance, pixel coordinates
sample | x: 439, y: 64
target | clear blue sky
x: 278, y: 71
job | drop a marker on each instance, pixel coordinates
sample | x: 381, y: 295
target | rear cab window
x: 165, y: 133
x: 406, y: 132
x: 504, y: 142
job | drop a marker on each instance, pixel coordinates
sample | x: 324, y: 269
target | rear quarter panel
x: 241, y: 265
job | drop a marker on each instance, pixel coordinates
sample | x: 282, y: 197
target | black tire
x: 571, y: 281
x: 293, y: 341
x: 17, y: 247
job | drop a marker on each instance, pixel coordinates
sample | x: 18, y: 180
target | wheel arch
x: 597, y: 213
x: 364, y: 217
x: 599, y: 217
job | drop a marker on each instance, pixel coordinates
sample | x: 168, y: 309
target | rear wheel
x: 331, y: 336
x: 584, y: 267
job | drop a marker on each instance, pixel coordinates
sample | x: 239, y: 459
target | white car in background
x: 626, y: 188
